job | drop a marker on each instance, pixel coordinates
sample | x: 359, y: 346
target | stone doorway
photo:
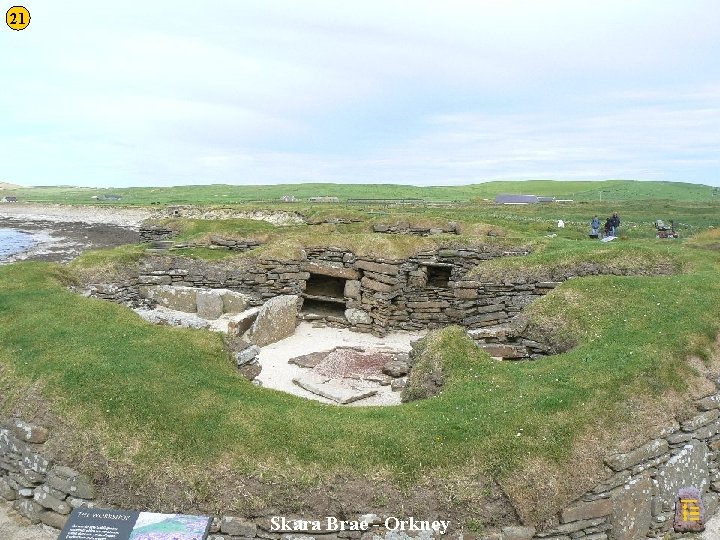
x: 438, y: 276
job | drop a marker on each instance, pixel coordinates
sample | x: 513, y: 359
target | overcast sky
x: 417, y: 92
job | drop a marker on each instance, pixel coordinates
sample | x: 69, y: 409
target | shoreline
x: 60, y: 234
x: 91, y: 215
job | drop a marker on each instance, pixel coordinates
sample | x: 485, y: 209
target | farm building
x: 324, y: 199
x: 516, y: 199
x: 8, y: 199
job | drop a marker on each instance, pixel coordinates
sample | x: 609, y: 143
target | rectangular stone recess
x: 327, y: 288
x: 438, y: 276
x: 87, y: 523
x: 323, y: 308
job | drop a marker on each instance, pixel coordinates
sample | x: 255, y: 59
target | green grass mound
x: 147, y: 403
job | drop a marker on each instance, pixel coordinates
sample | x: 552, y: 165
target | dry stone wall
x: 368, y: 294
x: 637, y: 498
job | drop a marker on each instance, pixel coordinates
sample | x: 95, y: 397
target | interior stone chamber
x: 367, y: 294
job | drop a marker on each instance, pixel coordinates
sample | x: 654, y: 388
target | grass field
x: 609, y: 190
x: 153, y: 402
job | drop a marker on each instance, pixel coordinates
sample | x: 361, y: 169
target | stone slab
x: 650, y: 450
x: 332, y: 389
x: 587, y: 510
x: 380, y: 268
x: 631, y: 516
x: 275, y: 321
x: 209, y: 304
x: 29, y: 432
x: 172, y: 297
x: 689, y: 467
x: 333, y: 270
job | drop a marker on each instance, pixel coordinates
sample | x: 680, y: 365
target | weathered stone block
x: 396, y: 368
x: 518, y: 533
x: 154, y: 280
x: 466, y: 293
x: 587, y: 510
x: 332, y: 269
x: 380, y: 268
x: 429, y: 304
x: 29, y: 509
x: 210, y: 304
x: 10, y: 444
x: 53, y: 503
x: 377, y: 286
x: 234, y: 302
x: 237, y: 527
x: 277, y: 320
x: 700, y: 420
x: 80, y: 503
x: 53, y: 519
x: 574, y: 526
x: 35, y: 462
x: 689, y: 467
x: 645, y: 452
x: 678, y: 438
x: 29, y: 432
x: 709, y: 403
x: 6, y: 492
x: 71, y: 482
x: 247, y: 355
x: 352, y: 288
x: 357, y: 316
x: 484, y: 318
x: 172, y: 297
x: 23, y: 480
x: 631, y: 516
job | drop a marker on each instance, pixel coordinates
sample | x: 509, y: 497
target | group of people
x: 611, y: 226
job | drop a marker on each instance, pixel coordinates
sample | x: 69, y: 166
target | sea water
x: 12, y: 242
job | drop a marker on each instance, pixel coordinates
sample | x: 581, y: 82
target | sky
x: 394, y: 91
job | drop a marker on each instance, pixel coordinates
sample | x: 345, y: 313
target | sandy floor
x: 278, y: 374
x: 14, y: 527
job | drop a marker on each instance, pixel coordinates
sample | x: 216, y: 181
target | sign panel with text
x: 97, y: 524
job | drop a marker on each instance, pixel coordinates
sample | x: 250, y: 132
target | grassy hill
x: 165, y: 420
x: 608, y: 190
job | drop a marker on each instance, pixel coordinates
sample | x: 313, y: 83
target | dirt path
x: 14, y: 527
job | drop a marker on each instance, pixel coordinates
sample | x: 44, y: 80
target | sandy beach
x: 58, y: 213
x: 61, y: 233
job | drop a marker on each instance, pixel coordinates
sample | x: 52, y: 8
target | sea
x: 13, y: 241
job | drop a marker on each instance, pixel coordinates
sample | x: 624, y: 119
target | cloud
x: 394, y: 91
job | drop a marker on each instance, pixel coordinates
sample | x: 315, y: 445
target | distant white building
x: 288, y: 198
x: 8, y: 199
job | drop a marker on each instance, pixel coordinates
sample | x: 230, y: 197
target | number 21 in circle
x: 17, y: 17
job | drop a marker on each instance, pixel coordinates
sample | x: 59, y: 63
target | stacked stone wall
x: 427, y: 290
x: 636, y: 499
